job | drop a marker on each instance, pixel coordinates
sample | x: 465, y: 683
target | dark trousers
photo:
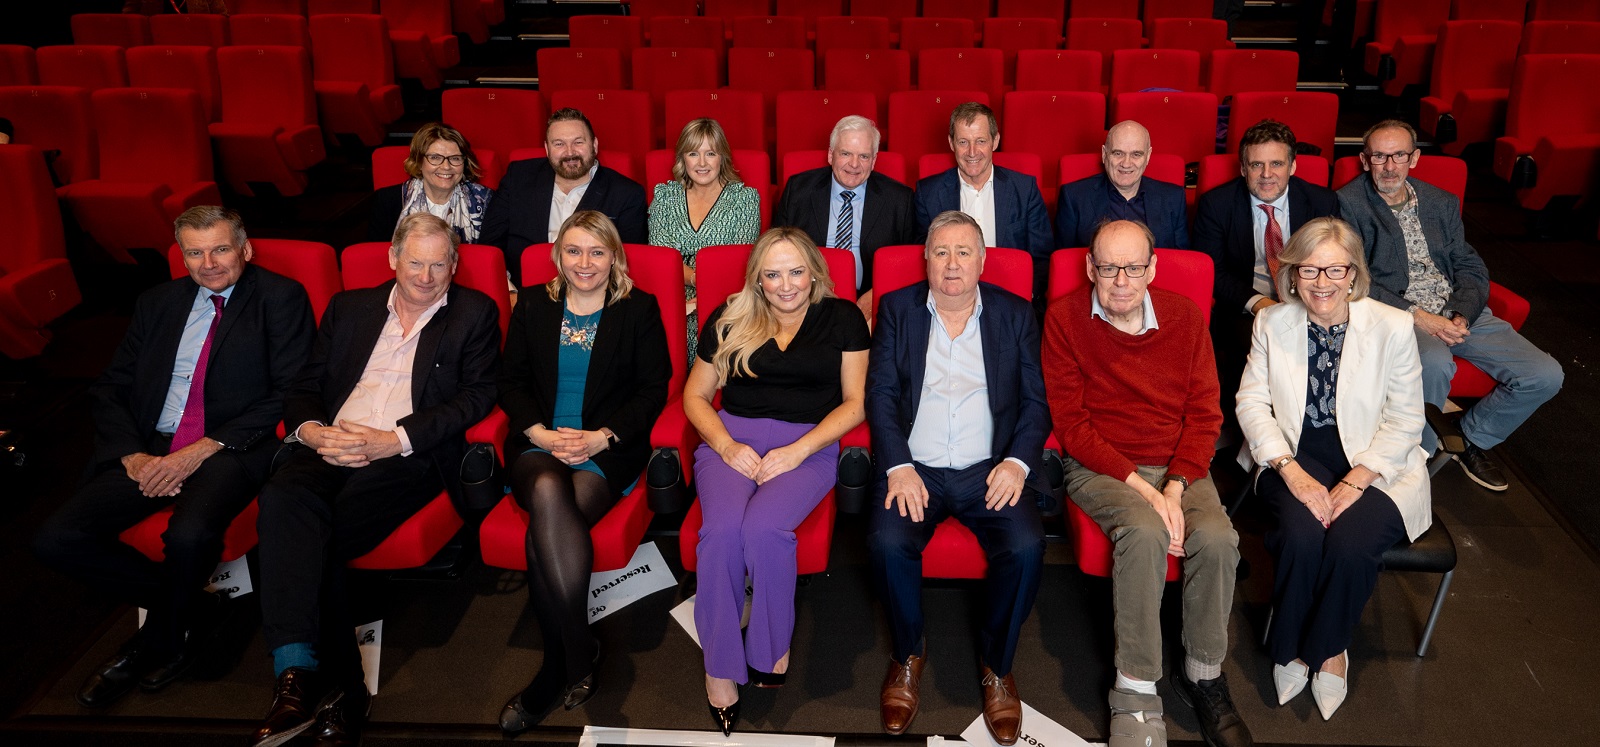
x: 1324, y: 577
x: 1012, y: 539
x: 80, y: 538
x: 317, y: 517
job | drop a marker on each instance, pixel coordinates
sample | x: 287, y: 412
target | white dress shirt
x: 978, y: 202
x: 382, y: 396
x: 563, y: 205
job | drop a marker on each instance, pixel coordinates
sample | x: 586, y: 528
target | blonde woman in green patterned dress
x: 705, y: 204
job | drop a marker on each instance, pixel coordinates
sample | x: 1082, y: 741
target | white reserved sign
x: 594, y: 736
x: 646, y: 573
x: 369, y: 641
x: 684, y: 614
x: 231, y: 579
x: 1038, y: 730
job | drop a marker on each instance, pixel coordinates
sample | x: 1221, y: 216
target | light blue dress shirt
x: 1095, y: 309
x: 189, y: 344
x: 857, y: 206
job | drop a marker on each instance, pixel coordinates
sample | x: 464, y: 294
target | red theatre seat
x: 1138, y: 69
x: 268, y: 133
x: 238, y: 539
x: 805, y: 119
x: 888, y: 163
x: 955, y: 69
x: 1444, y: 172
x: 1162, y: 167
x: 1472, y: 68
x: 288, y: 7
x: 1184, y: 124
x: 36, y: 283
x: 114, y: 29
x: 1052, y: 125
x: 131, y: 205
x: 55, y: 118
x: 919, y: 121
x: 189, y: 29
x: 474, y: 17
x: 190, y: 68
x: 313, y: 264
x: 1236, y: 70
x: 917, y: 34
x: 1012, y: 35
x: 1106, y: 36
x: 739, y: 113
x: 1404, y: 34
x: 1489, y: 10
x: 855, y: 32
x: 1551, y: 130
x: 622, y: 33
x: 879, y: 72
x: 768, y: 32
x: 1566, y: 10
x: 1060, y: 70
x: 621, y: 120
x: 1156, y: 11
x: 388, y: 165
x: 657, y: 70
x: 1054, y: 10
x: 1104, y: 9
x: 690, y: 32
x: 353, y: 66
x: 1560, y: 37
x: 340, y: 7
x: 424, y: 44
x: 1201, y: 35
x: 18, y: 66
x: 1220, y: 169
x: 496, y: 121
x: 810, y: 10
x: 580, y: 68
x: 1313, y: 116
x: 1506, y: 305
x: 89, y: 67
x: 769, y: 72
x: 265, y: 30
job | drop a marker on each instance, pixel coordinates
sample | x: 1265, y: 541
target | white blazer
x: 1379, y: 408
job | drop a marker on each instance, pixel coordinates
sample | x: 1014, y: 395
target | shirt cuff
x: 405, y: 442
x: 891, y: 470
x: 294, y: 438
x: 1023, y: 465
x: 1250, y: 305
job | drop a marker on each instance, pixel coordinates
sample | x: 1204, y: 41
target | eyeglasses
x: 1400, y: 159
x: 434, y: 159
x: 1310, y: 272
x: 1110, y: 271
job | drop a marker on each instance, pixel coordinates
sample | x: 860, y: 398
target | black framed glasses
x: 434, y: 159
x: 1310, y: 272
x: 1402, y: 158
x: 1110, y: 271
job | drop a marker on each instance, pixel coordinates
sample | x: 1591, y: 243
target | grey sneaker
x: 1136, y: 720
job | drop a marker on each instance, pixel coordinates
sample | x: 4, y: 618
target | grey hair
x: 952, y: 218
x: 854, y: 123
x: 201, y: 217
x: 424, y: 224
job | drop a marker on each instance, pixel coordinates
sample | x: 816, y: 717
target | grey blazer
x: 1362, y: 206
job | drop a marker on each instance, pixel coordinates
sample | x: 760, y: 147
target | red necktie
x: 1272, y: 244
x: 192, y: 426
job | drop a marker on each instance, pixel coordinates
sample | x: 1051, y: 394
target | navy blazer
x: 1020, y: 220
x: 890, y: 217
x: 1011, y: 367
x: 453, y: 371
x: 1086, y: 202
x: 1440, y: 214
x: 1225, y: 229
x: 519, y: 214
x: 261, y: 343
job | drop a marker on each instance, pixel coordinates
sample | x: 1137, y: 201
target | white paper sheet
x: 646, y: 573
x: 1038, y: 730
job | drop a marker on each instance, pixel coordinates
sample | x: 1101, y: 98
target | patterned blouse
x: 1427, y: 287
x: 1323, y: 349
x: 735, y: 218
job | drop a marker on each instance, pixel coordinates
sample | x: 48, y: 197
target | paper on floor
x: 646, y: 573
x: 1038, y: 730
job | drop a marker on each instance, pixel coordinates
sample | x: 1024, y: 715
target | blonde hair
x: 748, y: 322
x: 618, y: 283
x: 1313, y: 234
x: 704, y: 131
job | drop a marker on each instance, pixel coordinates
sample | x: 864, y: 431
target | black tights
x: 562, y: 504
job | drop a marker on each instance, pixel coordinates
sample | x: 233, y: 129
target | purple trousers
x: 749, y: 528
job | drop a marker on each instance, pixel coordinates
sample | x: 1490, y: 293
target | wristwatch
x: 1279, y: 465
x: 611, y: 437
x: 1180, y: 479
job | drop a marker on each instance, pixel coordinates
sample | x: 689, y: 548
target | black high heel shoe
x: 767, y: 680
x: 578, y: 694
x: 725, y: 717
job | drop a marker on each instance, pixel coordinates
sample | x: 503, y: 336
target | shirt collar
x: 203, y: 294
x: 977, y: 307
x: 1095, y: 309
x: 860, y: 189
x: 444, y: 299
x: 1278, y: 205
x: 968, y: 187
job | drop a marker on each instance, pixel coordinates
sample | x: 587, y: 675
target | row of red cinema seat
x: 972, y: 10
x: 435, y: 19
x: 1404, y: 31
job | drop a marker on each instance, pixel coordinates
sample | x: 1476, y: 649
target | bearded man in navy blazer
x: 237, y: 333
x: 1006, y: 204
x: 535, y: 197
x: 879, y: 211
x: 377, y: 420
x: 1231, y: 226
x: 1123, y: 192
x: 956, y: 402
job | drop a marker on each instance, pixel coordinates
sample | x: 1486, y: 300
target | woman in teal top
x: 585, y: 375
x: 705, y: 204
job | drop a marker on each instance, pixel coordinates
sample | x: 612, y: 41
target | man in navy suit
x: 1231, y: 225
x: 376, y: 423
x: 1123, y: 192
x: 956, y: 402
x: 237, y: 333
x: 535, y: 197
x: 878, y: 211
x: 1006, y: 205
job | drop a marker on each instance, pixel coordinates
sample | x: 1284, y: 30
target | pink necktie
x: 192, y: 426
x: 1272, y: 244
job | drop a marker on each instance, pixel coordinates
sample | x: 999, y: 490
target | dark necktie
x: 192, y: 426
x: 845, y: 227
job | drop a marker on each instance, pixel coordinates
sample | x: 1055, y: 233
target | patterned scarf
x: 465, y: 214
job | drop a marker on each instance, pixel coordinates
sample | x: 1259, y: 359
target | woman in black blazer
x: 585, y: 375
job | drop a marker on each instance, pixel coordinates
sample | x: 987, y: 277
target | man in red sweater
x: 1133, y: 394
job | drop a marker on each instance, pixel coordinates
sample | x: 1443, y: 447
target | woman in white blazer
x: 1331, y: 408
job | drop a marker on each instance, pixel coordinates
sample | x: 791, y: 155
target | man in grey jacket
x: 1421, y: 262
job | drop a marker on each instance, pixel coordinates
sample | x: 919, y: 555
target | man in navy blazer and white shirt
x: 1006, y: 204
x: 956, y: 402
x: 1123, y: 192
x: 878, y: 212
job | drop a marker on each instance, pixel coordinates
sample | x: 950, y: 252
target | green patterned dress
x: 735, y: 218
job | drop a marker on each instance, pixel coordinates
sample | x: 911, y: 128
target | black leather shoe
x: 297, y: 698
x: 162, y: 673
x: 1482, y: 468
x: 1220, y: 724
x: 1446, y: 428
x: 113, y: 679
x: 339, y: 722
x: 577, y: 695
x: 725, y: 717
x: 767, y: 680
x: 526, y: 709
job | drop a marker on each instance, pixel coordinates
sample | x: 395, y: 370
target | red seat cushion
x: 239, y: 539
x: 954, y: 552
x: 415, y: 541
x: 1092, y: 548
x: 814, y: 537
x: 616, y: 537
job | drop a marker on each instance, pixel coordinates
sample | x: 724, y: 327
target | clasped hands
x: 347, y: 444
x: 570, y: 445
x: 909, y: 494
x: 761, y: 469
x: 163, y: 476
x: 1168, y: 504
x: 1325, y: 504
x: 1450, y: 331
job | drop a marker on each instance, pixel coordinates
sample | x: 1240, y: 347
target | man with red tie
x: 1243, y: 225
x: 184, y: 417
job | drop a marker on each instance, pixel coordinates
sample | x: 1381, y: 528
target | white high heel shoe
x: 1328, y: 690
x: 1290, y: 679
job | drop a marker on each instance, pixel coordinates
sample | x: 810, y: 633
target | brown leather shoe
x: 1002, y: 709
x: 901, y: 693
x: 298, y: 696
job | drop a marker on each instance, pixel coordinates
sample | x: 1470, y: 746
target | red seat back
x: 257, y: 30
x: 621, y: 120
x: 622, y: 33
x: 895, y: 267
x: 738, y: 112
x: 500, y: 120
x: 1202, y: 35
x: 29, y: 207
x: 55, y: 118
x: 719, y: 273
x: 769, y: 71
x: 1052, y: 125
x: 189, y: 29
x: 1138, y: 69
x: 959, y: 69
x: 189, y: 68
x: 291, y: 7
x: 1560, y: 37
x: 805, y: 119
x: 1055, y: 10
x: 1489, y: 10
x: 267, y: 85
x: 854, y: 32
x: 313, y: 264
x: 1060, y: 70
x: 1566, y: 10
x: 137, y: 127
x: 352, y: 48
x: 890, y: 10
x: 482, y: 268
x: 658, y: 70
x: 769, y: 32
x: 810, y: 10
x: 1474, y: 54
x: 90, y: 67
x: 879, y: 72
x: 1444, y: 172
x: 431, y: 17
x: 1184, y: 124
x: 1157, y: 10
x: 1104, y: 9
x: 1010, y: 35
x: 974, y: 11
x: 1104, y: 35
x: 1177, y: 270
x: 1313, y: 116
x: 18, y: 66
x: 113, y: 29
x: 579, y: 68
x: 1236, y: 70
x: 389, y: 165
x: 1541, y: 100
x: 689, y: 32
x: 917, y: 34
x: 919, y: 121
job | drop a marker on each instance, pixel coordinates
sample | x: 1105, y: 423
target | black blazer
x: 519, y: 214
x: 1082, y: 204
x: 385, y: 213
x: 452, y: 383
x: 1011, y: 366
x: 262, y: 341
x: 1440, y: 214
x: 625, y: 389
x: 890, y: 217
x: 1223, y: 229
